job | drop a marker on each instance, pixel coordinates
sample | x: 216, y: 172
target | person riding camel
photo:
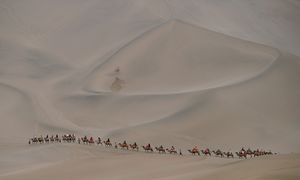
x: 195, y: 149
x: 91, y: 139
x: 148, y: 146
x: 206, y: 150
x: 172, y: 148
x: 108, y: 140
x: 134, y: 144
x: 125, y: 143
x: 161, y: 147
x: 242, y: 151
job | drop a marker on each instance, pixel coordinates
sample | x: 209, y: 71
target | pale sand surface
x: 217, y: 74
x: 68, y: 161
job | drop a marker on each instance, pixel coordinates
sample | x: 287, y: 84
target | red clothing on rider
x: 195, y: 148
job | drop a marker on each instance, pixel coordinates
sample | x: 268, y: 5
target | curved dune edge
x: 250, y: 60
x: 57, y: 63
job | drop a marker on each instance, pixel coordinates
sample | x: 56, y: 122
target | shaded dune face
x: 162, y: 70
x: 186, y: 85
x: 129, y: 70
x: 18, y: 116
x: 261, y: 112
x: 177, y: 57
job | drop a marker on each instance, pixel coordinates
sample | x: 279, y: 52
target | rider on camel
x: 125, y: 143
x: 172, y: 148
x: 195, y: 149
x: 242, y: 151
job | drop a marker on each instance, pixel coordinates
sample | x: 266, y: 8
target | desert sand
x: 217, y: 74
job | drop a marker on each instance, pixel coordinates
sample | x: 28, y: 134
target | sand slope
x: 95, y: 163
x: 187, y: 77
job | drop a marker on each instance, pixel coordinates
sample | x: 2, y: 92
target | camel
x: 34, y: 140
x: 124, y: 145
x: 171, y: 151
x: 107, y: 143
x: 147, y: 148
x: 228, y: 154
x: 46, y: 139
x: 57, y: 139
x: 218, y: 153
x: 194, y: 152
x: 257, y: 153
x: 68, y: 138
x: 249, y: 152
x: 160, y: 149
x: 52, y: 139
x: 41, y: 140
x: 241, y: 155
x: 73, y: 138
x: 134, y: 146
x: 65, y: 138
x: 84, y: 140
x: 269, y: 153
x: 91, y: 141
x: 206, y: 152
x: 99, y: 141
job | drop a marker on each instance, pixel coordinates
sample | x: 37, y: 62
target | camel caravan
x: 71, y: 138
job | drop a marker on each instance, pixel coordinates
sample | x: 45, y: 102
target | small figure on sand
x: 117, y: 84
x: 117, y: 70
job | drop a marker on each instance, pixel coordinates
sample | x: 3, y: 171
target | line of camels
x: 71, y: 138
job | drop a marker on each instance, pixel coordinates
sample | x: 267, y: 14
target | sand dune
x: 217, y: 74
x: 177, y: 57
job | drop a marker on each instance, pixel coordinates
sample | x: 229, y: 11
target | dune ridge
x: 217, y: 74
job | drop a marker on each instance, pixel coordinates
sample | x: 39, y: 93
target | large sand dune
x: 222, y: 74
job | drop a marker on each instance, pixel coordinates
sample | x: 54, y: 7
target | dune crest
x: 178, y: 57
x: 180, y: 73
